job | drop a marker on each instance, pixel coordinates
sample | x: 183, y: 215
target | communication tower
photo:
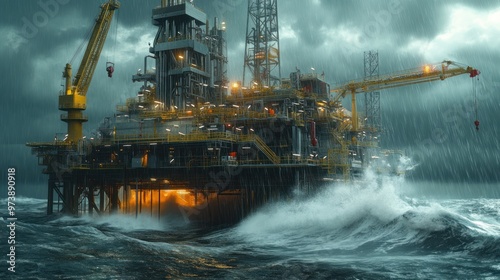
x: 372, y: 99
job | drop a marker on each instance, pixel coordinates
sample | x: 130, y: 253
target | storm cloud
x: 433, y: 123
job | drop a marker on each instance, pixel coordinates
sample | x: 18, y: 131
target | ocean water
x: 360, y: 230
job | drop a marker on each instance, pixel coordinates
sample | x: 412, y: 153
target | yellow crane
x: 427, y: 73
x: 74, y: 98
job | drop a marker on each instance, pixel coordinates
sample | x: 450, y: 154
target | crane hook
x: 476, y: 123
x: 110, y: 68
x: 473, y: 74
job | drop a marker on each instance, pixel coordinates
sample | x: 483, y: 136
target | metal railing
x: 200, y: 137
x: 173, y: 138
x: 265, y: 149
x: 65, y: 117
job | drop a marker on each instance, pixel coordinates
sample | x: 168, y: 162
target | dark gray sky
x: 433, y: 123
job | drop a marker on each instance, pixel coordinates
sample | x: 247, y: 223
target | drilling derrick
x: 262, y: 52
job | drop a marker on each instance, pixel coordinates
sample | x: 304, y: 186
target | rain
x: 432, y: 123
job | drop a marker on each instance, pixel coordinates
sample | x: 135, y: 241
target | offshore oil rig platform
x: 195, y: 144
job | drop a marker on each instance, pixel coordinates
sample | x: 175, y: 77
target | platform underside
x: 213, y: 195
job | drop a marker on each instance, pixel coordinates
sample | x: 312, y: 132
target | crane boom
x: 428, y: 73
x: 73, y: 100
x: 94, y: 48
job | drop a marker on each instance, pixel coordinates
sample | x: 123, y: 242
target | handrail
x: 265, y: 149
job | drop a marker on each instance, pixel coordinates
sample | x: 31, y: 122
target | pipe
x: 314, y: 141
x: 145, y: 67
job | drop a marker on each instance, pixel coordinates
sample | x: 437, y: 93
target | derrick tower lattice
x: 262, y: 52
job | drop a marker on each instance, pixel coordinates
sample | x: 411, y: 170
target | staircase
x: 338, y: 158
x: 265, y: 149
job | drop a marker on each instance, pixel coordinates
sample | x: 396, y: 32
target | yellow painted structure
x: 74, y: 100
x: 427, y: 73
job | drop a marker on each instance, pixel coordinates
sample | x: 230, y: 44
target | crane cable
x: 110, y: 65
x: 475, y: 83
x: 116, y: 33
x: 80, y: 47
x: 113, y: 49
x: 84, y: 42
